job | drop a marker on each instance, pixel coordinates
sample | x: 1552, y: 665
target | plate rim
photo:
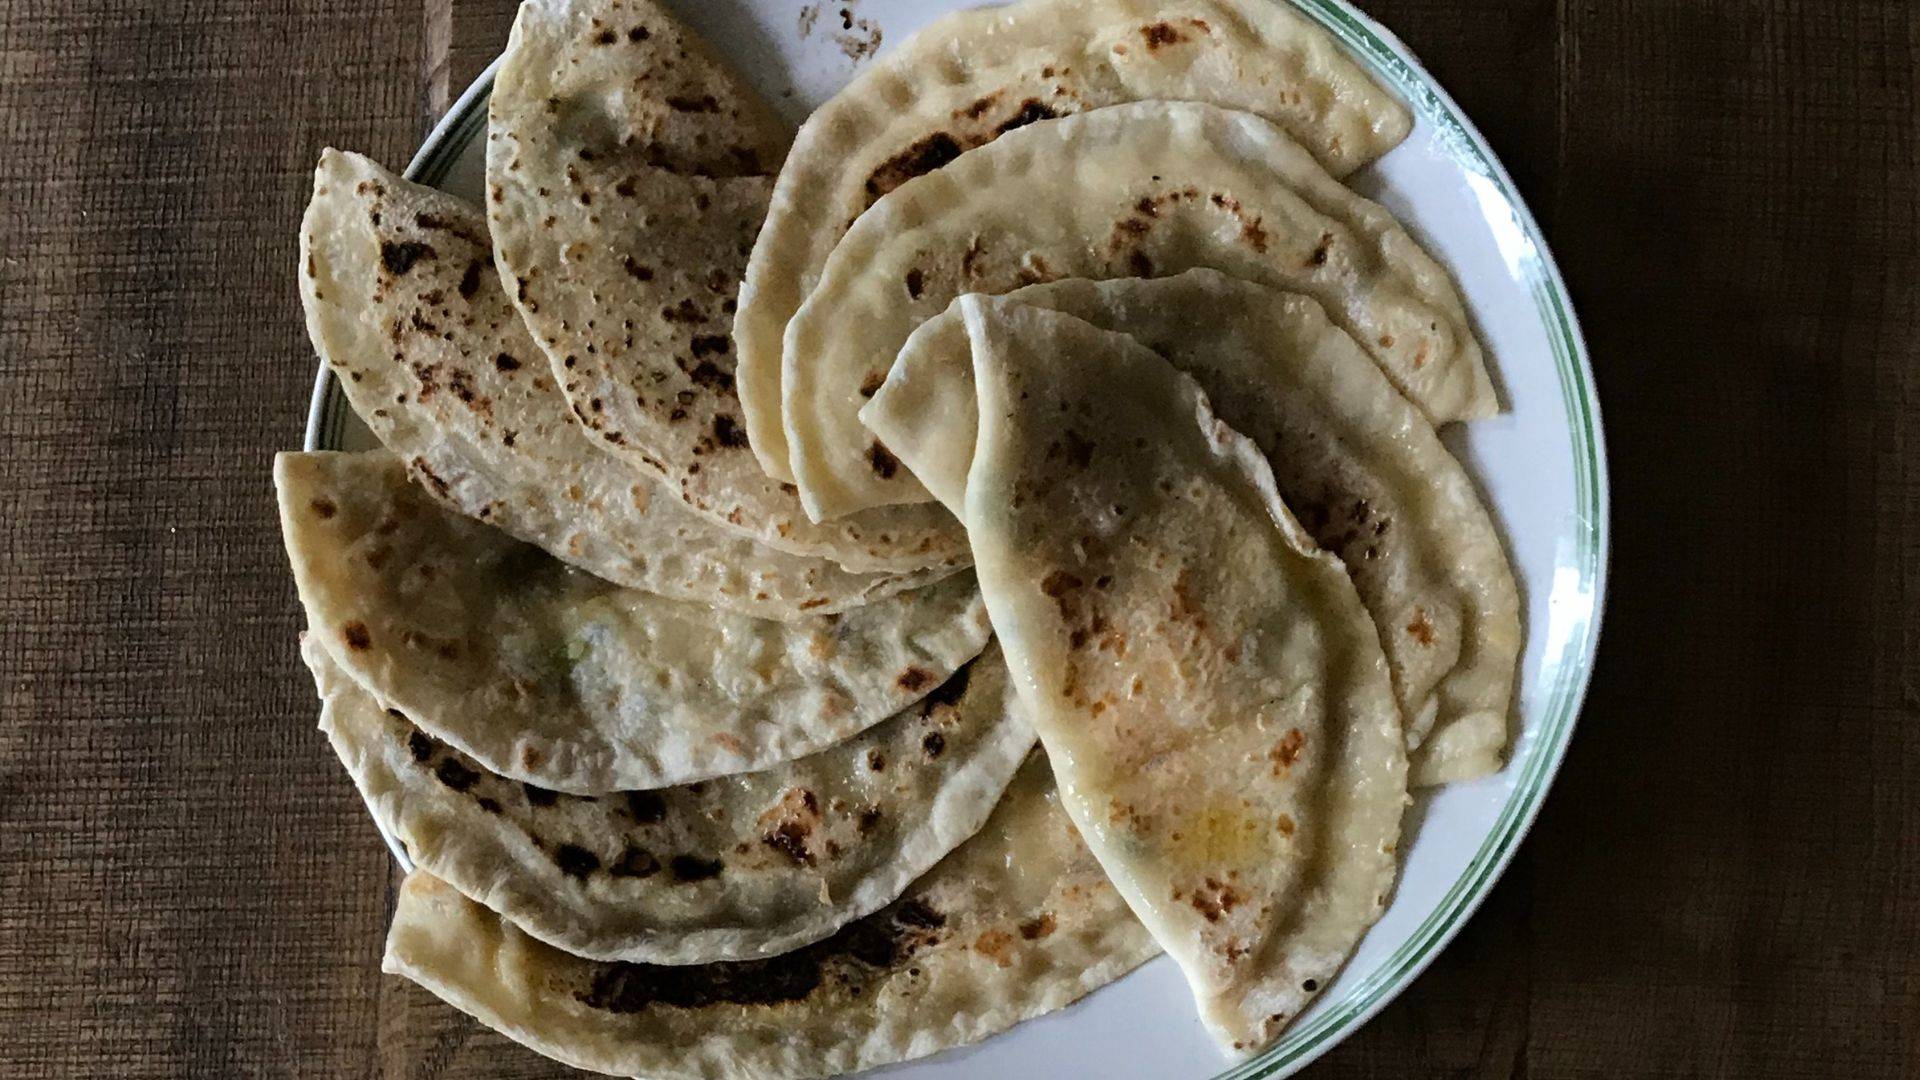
x: 1389, y: 60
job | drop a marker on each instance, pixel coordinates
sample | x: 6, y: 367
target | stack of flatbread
x: 825, y: 598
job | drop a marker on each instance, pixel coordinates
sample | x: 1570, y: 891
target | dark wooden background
x: 1725, y: 883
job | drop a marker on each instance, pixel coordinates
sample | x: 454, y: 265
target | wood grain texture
x: 461, y: 38
x: 1726, y: 880
x: 1725, y: 883
x: 186, y: 886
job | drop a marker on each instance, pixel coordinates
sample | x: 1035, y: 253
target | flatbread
x: 402, y: 302
x: 973, y: 75
x: 729, y: 869
x: 1018, y: 922
x: 1359, y: 466
x: 1142, y: 190
x: 626, y: 181
x: 628, y: 75
x: 545, y: 674
x: 1209, y: 689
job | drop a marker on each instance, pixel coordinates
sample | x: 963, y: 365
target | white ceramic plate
x: 1542, y: 464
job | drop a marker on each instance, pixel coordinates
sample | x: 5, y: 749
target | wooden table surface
x: 1726, y: 881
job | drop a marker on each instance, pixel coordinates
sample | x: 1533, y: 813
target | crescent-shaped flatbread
x: 1017, y: 922
x: 1142, y: 190
x: 1355, y: 462
x: 734, y: 868
x: 1209, y: 689
x: 974, y: 75
x: 624, y: 201
x: 402, y: 302
x: 549, y: 675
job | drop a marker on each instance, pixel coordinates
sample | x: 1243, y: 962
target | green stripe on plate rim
x: 1394, y: 66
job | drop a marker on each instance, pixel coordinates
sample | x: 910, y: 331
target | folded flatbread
x: 1142, y: 190
x: 403, y: 304
x: 1209, y: 689
x: 733, y: 868
x: 627, y: 174
x: 1359, y: 467
x: 549, y: 675
x: 1019, y: 921
x: 973, y: 75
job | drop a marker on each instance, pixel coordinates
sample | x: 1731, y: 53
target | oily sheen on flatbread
x: 1142, y: 190
x: 626, y: 180
x: 1017, y: 922
x: 403, y: 304
x: 1209, y: 689
x: 973, y: 75
x: 1358, y: 466
x: 545, y: 674
x: 733, y: 868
